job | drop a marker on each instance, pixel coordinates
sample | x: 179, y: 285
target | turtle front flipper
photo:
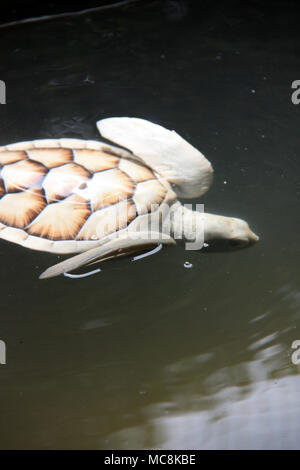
x: 166, y: 152
x: 126, y: 243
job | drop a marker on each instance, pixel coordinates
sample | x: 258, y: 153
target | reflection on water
x: 150, y: 354
x: 255, y: 421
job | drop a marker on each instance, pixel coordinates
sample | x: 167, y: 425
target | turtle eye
x: 235, y: 242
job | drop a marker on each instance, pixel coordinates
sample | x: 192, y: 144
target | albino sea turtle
x: 81, y: 196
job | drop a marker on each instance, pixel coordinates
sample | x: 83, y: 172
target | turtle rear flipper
x: 124, y: 244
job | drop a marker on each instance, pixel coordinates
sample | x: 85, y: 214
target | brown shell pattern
x: 65, y: 190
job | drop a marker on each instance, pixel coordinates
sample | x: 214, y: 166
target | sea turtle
x: 82, y: 196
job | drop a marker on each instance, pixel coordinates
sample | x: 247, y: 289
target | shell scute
x: 45, y: 143
x: 19, y: 209
x: 95, y: 160
x: 108, y: 220
x: 13, y: 234
x: 21, y: 146
x: 63, y: 180
x: 51, y: 157
x: 61, y: 220
x: 136, y: 171
x: 8, y: 156
x: 147, y: 194
x: 72, y: 143
x: 106, y: 188
x: 23, y: 175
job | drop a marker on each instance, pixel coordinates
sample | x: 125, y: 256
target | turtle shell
x: 63, y: 195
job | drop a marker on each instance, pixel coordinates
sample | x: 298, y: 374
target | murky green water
x: 150, y: 354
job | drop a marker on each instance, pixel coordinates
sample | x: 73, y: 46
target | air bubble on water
x: 188, y: 265
x: 225, y: 182
x: 205, y: 245
x: 88, y: 80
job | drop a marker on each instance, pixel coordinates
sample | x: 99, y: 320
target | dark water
x: 150, y: 354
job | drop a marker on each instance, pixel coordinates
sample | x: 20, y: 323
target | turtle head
x: 227, y: 233
x: 218, y: 233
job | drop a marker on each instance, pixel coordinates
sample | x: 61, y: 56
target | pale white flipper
x: 120, y: 246
x: 164, y: 151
